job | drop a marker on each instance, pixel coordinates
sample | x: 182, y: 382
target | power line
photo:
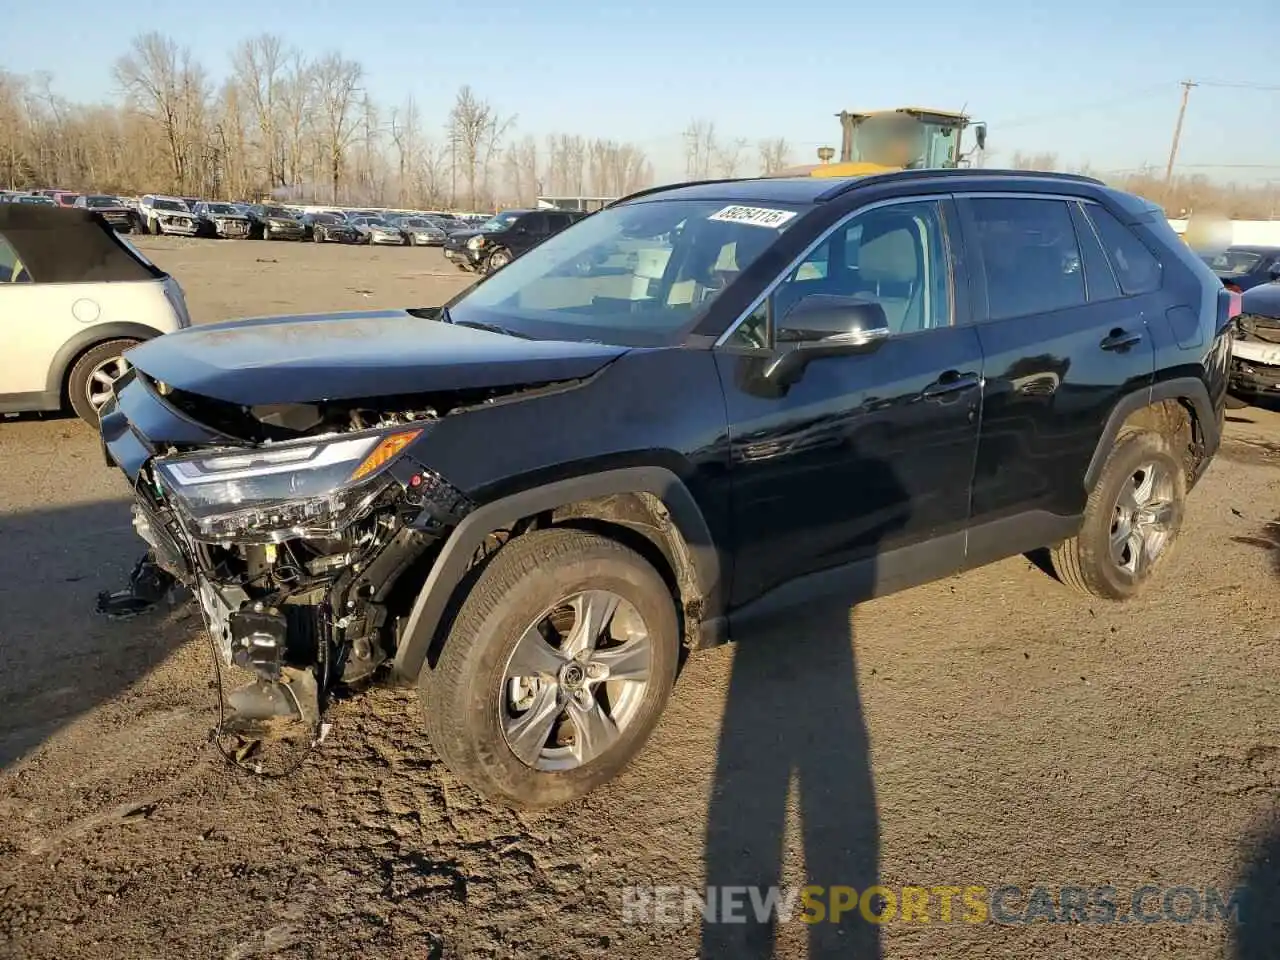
x: 1142, y: 93
x: 1237, y: 85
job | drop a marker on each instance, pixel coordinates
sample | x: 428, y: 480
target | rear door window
x: 1029, y: 254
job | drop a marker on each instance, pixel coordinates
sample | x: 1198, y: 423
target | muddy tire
x: 556, y: 668
x: 1131, y: 520
x: 90, y: 379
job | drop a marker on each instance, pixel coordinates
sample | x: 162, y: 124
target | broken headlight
x: 267, y: 494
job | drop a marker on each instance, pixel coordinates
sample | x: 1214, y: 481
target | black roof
x: 1262, y: 248
x: 69, y: 245
x: 807, y: 189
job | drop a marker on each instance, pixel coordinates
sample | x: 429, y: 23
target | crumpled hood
x: 1262, y: 301
x: 355, y: 354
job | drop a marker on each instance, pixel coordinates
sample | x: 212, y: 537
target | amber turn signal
x: 387, y: 450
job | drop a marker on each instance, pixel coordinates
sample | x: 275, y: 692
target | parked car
x: 112, y: 209
x: 35, y: 198
x: 275, y: 223
x: 504, y: 237
x: 222, y: 220
x: 167, y: 215
x: 65, y: 199
x: 974, y: 354
x: 377, y: 230
x: 1255, y: 351
x: 421, y: 231
x: 1242, y: 268
x: 332, y: 228
x: 74, y: 297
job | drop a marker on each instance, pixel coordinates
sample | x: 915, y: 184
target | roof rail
x: 958, y: 173
x: 676, y: 186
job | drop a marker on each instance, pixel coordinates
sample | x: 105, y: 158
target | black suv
x: 760, y: 393
x: 498, y: 241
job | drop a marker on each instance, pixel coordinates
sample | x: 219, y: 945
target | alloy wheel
x: 575, y: 681
x: 1142, y: 520
x: 102, y: 378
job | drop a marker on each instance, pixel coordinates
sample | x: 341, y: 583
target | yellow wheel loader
x: 905, y: 138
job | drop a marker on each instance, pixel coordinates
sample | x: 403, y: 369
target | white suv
x: 74, y: 296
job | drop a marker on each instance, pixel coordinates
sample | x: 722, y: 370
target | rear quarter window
x: 1137, y: 269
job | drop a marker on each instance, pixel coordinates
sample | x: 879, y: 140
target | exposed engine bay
x: 292, y: 546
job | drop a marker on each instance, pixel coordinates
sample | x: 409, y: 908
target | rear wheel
x: 1131, y: 520
x: 91, y: 379
x: 555, y: 671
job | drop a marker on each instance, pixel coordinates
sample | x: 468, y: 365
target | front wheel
x: 90, y: 382
x: 1131, y: 520
x: 497, y: 260
x: 556, y: 669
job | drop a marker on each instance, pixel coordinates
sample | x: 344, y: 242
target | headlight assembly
x: 268, y: 494
x: 475, y: 243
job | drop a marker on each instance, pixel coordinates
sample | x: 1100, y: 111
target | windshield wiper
x: 490, y: 327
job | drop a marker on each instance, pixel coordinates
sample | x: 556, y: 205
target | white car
x: 74, y: 297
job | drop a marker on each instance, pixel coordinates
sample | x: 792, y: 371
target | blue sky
x: 1090, y: 80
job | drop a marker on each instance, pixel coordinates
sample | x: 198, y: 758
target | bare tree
x: 337, y: 84
x: 297, y: 98
x: 258, y: 66
x: 475, y: 132
x: 700, y: 149
x: 405, y: 135
x: 775, y: 155
x: 1034, y: 161
x: 728, y: 158
x: 166, y: 86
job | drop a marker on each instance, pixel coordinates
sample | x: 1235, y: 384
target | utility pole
x: 1177, y: 131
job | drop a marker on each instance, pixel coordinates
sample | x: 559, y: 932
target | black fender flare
x: 89, y: 337
x: 1189, y: 389
x: 467, y: 537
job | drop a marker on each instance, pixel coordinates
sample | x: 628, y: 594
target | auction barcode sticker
x: 756, y: 216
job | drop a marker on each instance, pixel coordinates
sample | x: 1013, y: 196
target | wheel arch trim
x: 462, y: 544
x: 87, y: 339
x: 1189, y: 389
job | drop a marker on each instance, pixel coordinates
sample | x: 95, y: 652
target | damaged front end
x: 290, y: 525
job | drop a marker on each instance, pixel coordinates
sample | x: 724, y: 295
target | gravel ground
x: 991, y: 729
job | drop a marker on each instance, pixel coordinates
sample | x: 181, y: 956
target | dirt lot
x: 987, y: 730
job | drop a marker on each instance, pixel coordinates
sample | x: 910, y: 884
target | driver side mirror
x: 1274, y: 271
x: 980, y: 135
x: 824, y: 325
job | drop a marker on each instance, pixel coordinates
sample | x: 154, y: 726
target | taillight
x: 1234, y: 306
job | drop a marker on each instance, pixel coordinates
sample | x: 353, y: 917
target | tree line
x: 292, y: 127
x: 1178, y: 196
x: 305, y: 129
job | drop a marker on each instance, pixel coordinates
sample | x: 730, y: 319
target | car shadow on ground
x: 1257, y: 933
x: 794, y: 728
x: 61, y: 658
x: 794, y: 737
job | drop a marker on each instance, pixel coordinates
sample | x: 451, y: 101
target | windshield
x: 278, y: 212
x: 413, y: 222
x: 634, y: 275
x: 324, y: 218
x: 169, y: 205
x: 102, y: 202
x: 900, y: 140
x: 500, y: 222
x: 221, y: 208
x: 1233, y: 261
x: 47, y: 200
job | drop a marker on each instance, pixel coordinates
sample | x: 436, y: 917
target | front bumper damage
x: 1255, y: 356
x: 298, y: 601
